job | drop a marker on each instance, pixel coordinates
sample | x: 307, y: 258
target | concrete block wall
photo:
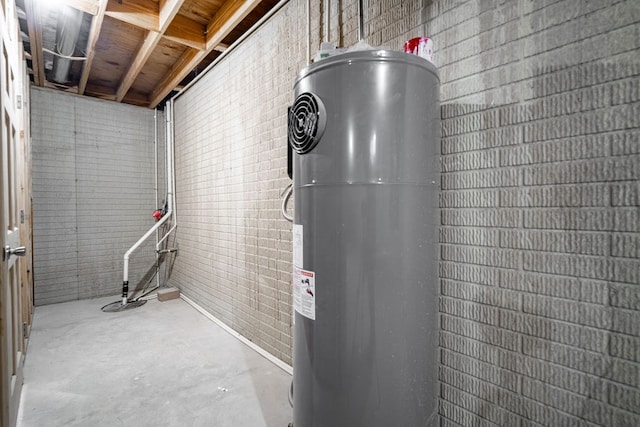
x: 93, y: 194
x: 540, y: 268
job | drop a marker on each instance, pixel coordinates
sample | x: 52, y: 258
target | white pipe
x: 308, y: 32
x: 327, y: 20
x: 155, y: 152
x: 155, y: 167
x: 171, y: 187
x: 171, y: 190
x: 173, y: 166
x: 166, y: 235
x: 170, y: 168
x: 165, y: 218
x: 125, y: 277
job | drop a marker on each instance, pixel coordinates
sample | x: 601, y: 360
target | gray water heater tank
x: 364, y: 128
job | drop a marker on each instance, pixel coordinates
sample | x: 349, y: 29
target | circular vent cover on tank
x: 307, y: 119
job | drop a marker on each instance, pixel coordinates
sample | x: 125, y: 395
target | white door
x: 12, y: 342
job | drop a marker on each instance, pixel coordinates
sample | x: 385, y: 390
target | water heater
x: 364, y: 130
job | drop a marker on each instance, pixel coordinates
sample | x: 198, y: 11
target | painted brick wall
x: 540, y: 215
x: 93, y: 194
x: 230, y: 132
x: 540, y: 266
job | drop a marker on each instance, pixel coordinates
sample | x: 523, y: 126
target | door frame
x: 16, y: 291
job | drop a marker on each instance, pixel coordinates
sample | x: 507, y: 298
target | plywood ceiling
x: 132, y: 51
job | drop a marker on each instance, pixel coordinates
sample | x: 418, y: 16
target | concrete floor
x: 163, y: 364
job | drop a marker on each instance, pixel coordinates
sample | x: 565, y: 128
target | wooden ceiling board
x: 167, y: 53
x: 159, y: 65
x: 96, y: 88
x: 201, y: 11
x: 142, y: 55
x: 115, y: 50
x: 136, y: 98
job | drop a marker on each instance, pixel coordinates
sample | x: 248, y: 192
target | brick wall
x: 93, y: 194
x: 230, y: 132
x: 539, y: 271
x: 540, y: 167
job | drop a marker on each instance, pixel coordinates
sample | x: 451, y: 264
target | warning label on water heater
x: 304, y: 292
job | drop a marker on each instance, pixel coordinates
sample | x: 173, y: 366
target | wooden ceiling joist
x: 138, y: 99
x: 35, y: 36
x: 186, y: 32
x: 94, y: 33
x: 226, y: 19
x: 168, y: 11
x: 150, y: 42
x: 137, y: 51
x: 143, y: 13
x: 166, y: 14
x: 92, y: 7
